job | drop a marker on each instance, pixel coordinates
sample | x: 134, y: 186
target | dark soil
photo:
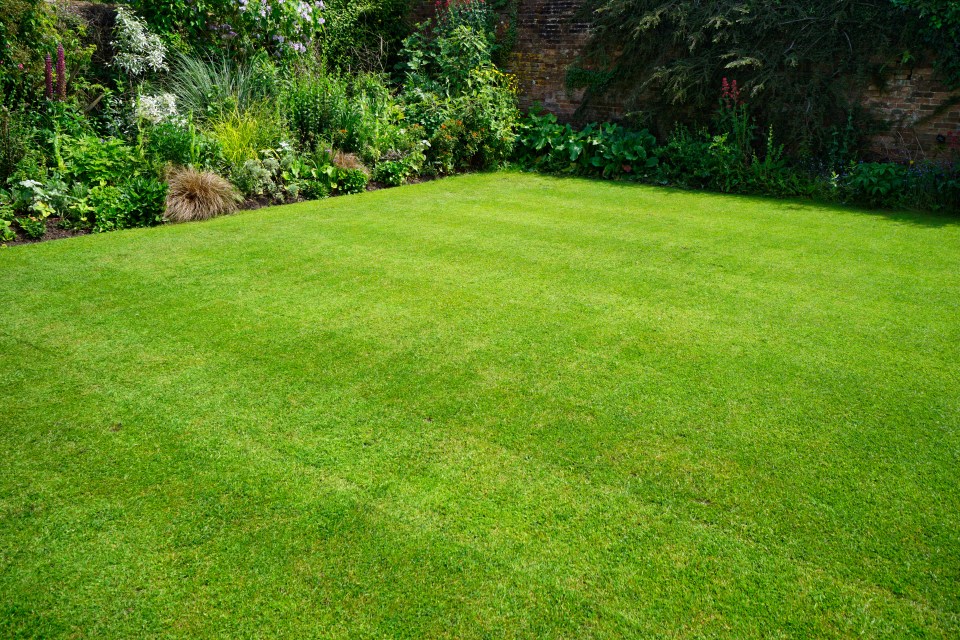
x: 54, y: 232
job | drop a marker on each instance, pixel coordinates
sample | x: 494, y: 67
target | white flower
x: 138, y: 50
x: 158, y: 108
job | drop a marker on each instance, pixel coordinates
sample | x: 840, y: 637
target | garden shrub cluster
x: 193, y: 107
x: 733, y: 155
x: 208, y: 103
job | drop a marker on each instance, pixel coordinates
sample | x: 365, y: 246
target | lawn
x: 489, y: 406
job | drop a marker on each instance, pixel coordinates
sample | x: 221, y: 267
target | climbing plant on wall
x: 940, y: 32
x: 800, y: 61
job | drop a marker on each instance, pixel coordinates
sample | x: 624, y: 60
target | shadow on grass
x: 902, y: 216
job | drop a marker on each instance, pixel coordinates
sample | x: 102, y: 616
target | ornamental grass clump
x: 199, y: 195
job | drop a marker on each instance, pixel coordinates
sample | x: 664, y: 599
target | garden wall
x: 922, y: 112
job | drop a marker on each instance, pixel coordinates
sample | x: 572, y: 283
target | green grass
x: 491, y: 406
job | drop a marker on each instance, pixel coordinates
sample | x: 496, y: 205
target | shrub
x: 353, y: 181
x: 29, y: 31
x: 799, y: 60
x: 15, y: 138
x: 7, y: 233
x: 280, y: 174
x: 254, y: 178
x: 466, y: 106
x: 364, y: 34
x: 358, y: 114
x: 110, y: 209
x: 603, y: 150
x: 877, y: 184
x: 199, y: 195
x: 243, y: 135
x: 33, y: 226
x: 283, y: 28
x: 933, y: 186
x: 145, y: 200
x: 138, y: 51
x: 139, y: 202
x: 182, y: 144
x: 392, y: 173
x: 92, y: 160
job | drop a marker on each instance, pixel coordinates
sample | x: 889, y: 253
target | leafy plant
x: 352, y: 181
x: 110, y: 209
x: 358, y: 114
x: 34, y: 227
x: 392, y: 173
x: 876, y: 184
x: 282, y: 28
x: 605, y: 150
x: 243, y: 135
x: 466, y: 106
x: 939, y: 28
x: 94, y: 160
x: 182, y: 144
x: 16, y: 136
x: 145, y: 198
x: 138, y: 51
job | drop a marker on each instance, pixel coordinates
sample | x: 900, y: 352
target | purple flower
x: 61, y: 73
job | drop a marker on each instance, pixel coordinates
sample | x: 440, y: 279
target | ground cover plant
x: 734, y: 155
x: 498, y: 405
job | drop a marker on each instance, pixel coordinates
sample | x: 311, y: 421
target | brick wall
x: 921, y: 112
x: 550, y: 37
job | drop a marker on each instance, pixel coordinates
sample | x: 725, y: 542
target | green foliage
x: 182, y: 144
x: 467, y: 107
x: 7, y: 212
x: 110, y: 208
x: 7, y: 234
x: 874, y: 183
x: 394, y: 173
x: 33, y: 226
x: 798, y: 60
x: 940, y: 31
x: 16, y: 136
x: 929, y: 186
x: 603, y: 150
x: 283, y: 175
x: 364, y: 35
x: 137, y: 203
x: 243, y: 135
x: 242, y: 28
x: 29, y: 31
x: 356, y: 113
x: 212, y: 87
x: 94, y: 160
x: 352, y: 181
x: 145, y: 199
x: 724, y: 160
